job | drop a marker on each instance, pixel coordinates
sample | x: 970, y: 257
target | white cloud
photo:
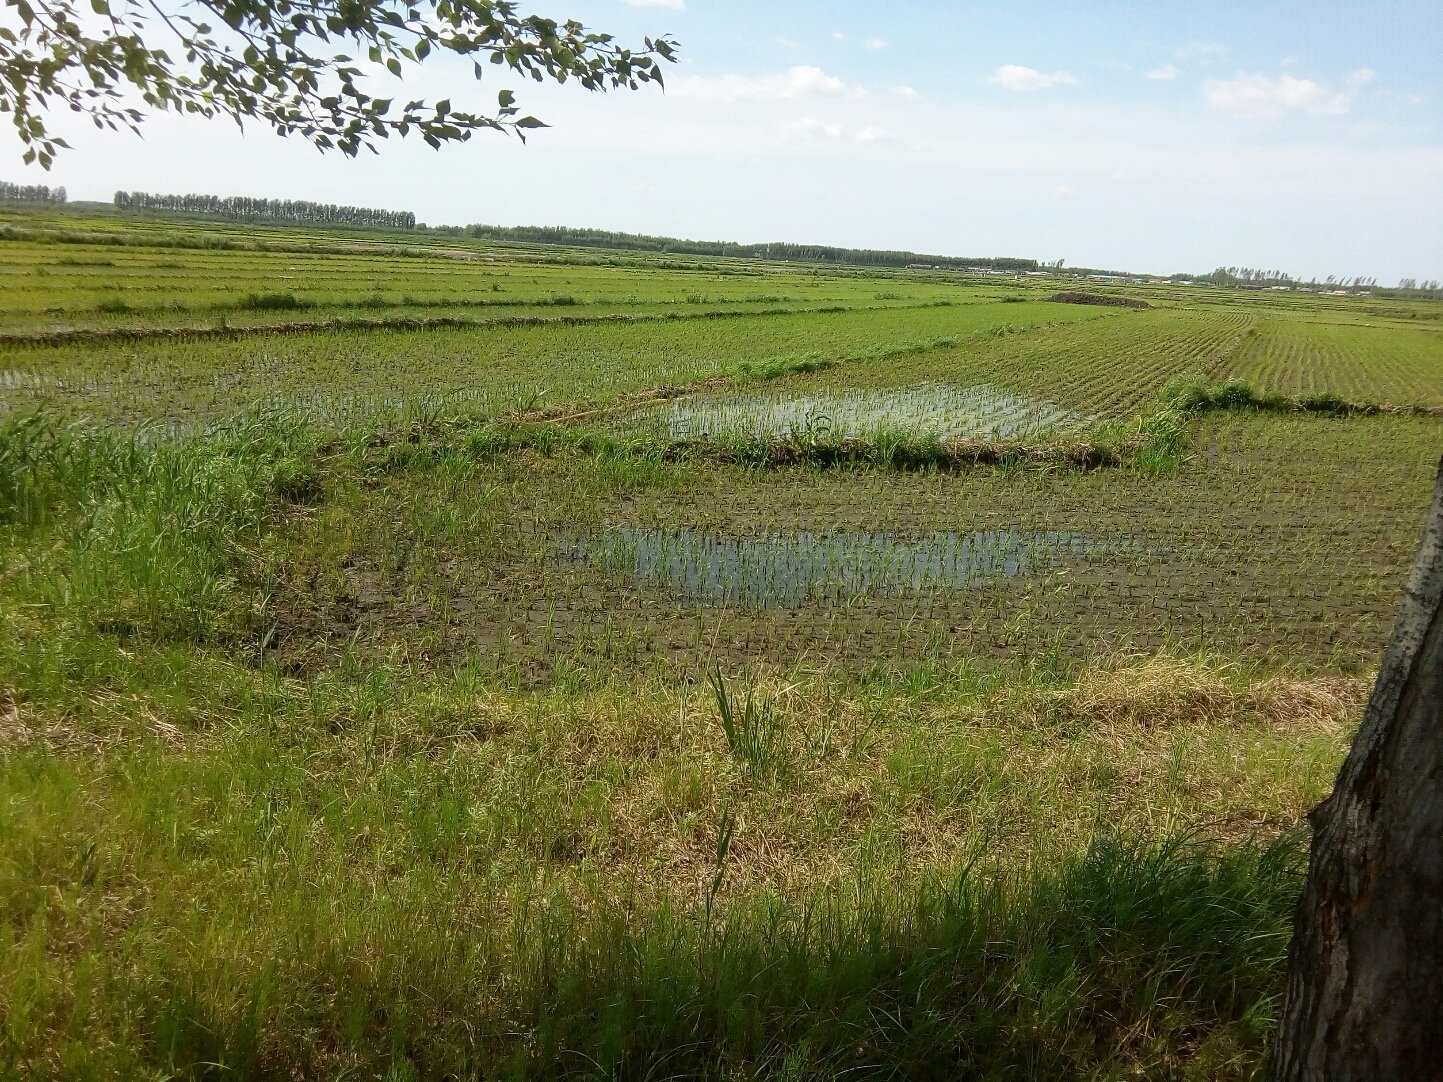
x: 1205, y: 52
x: 875, y: 43
x: 811, y: 127
x: 1016, y: 77
x: 837, y: 35
x: 906, y: 93
x: 1257, y: 96
x: 1361, y: 77
x: 675, y: 5
x: 798, y: 82
x: 1062, y: 191
x: 1166, y: 71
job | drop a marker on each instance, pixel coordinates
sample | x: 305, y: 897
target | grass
x: 1193, y: 394
x: 324, y: 757
x: 349, y: 373
x: 212, y: 867
x: 755, y: 731
x: 1061, y: 971
x: 273, y: 301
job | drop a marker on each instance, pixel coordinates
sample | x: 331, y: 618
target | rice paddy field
x: 424, y: 658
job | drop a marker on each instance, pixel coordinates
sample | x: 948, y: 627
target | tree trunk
x: 1364, y: 999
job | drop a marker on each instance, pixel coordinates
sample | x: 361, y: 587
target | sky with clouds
x: 1141, y: 134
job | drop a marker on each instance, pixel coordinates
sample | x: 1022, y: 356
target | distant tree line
x: 30, y: 193
x: 1411, y: 287
x: 1242, y: 277
x: 242, y: 208
x: 801, y: 253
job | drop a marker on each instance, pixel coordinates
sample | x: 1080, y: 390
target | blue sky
x: 1144, y: 134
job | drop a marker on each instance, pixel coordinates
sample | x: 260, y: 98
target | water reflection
x: 979, y: 412
x: 810, y: 567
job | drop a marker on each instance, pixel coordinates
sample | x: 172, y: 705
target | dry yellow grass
x: 632, y: 783
x: 1162, y: 690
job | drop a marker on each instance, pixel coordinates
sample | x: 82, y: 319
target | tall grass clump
x: 1132, y: 953
x: 272, y: 301
x: 755, y: 730
x: 770, y: 368
x: 1157, y: 443
x: 139, y: 534
x: 1130, y: 959
x: 1194, y: 394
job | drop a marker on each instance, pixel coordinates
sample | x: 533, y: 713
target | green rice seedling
x: 755, y: 729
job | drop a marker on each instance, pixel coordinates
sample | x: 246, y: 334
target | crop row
x: 1399, y: 365
x: 486, y: 369
x: 1112, y: 366
x: 1252, y: 549
x: 81, y: 287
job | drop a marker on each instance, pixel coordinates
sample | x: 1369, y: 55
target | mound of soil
x: 1098, y: 298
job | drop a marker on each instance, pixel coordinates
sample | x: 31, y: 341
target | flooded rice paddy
x: 980, y: 411
x: 793, y: 569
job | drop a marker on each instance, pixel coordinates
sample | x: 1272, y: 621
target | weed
x: 755, y: 729
x: 272, y: 301
x: 1193, y: 394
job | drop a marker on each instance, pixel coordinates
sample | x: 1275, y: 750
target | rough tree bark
x: 1364, y: 999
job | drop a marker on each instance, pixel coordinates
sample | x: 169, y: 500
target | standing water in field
x: 807, y: 567
x: 948, y: 412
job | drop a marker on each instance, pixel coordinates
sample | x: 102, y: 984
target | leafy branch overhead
x: 302, y: 66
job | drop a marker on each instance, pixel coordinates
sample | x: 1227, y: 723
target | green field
x: 423, y: 658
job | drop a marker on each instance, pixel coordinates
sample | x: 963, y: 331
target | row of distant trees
x: 243, y: 208
x: 30, y: 193
x: 1239, y: 276
x: 1236, y: 276
x: 802, y: 253
x: 1429, y: 287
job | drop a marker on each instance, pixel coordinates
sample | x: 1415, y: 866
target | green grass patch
x: 272, y: 301
x: 1194, y: 394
